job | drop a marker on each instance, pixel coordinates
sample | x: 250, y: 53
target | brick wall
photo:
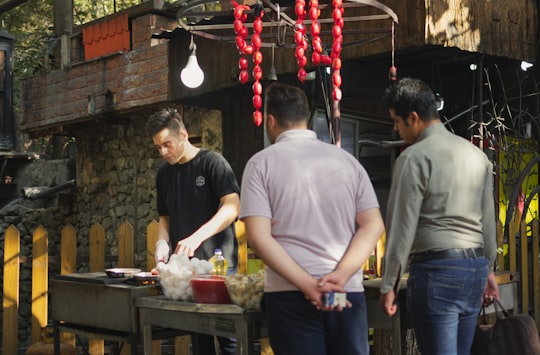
x: 106, y: 85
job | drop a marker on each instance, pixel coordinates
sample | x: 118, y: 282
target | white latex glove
x: 162, y: 251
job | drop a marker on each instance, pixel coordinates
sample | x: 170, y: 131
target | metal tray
x: 145, y: 276
x: 120, y: 272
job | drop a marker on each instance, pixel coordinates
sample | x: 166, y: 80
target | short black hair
x: 165, y: 118
x: 408, y: 95
x: 287, y: 103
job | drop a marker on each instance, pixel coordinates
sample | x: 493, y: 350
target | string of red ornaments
x: 241, y: 31
x: 300, y: 39
x: 318, y: 55
x: 337, y: 33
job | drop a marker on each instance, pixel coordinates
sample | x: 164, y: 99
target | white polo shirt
x: 311, y: 191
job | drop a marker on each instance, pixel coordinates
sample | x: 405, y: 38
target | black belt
x: 447, y: 254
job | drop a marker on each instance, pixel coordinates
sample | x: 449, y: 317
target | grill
x: 98, y: 301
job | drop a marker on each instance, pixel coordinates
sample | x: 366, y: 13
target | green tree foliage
x: 88, y: 10
x: 32, y: 26
x: 31, y: 23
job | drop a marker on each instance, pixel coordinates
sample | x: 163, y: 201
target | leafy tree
x: 88, y: 10
x: 31, y: 23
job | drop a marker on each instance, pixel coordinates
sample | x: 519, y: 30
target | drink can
x: 335, y: 299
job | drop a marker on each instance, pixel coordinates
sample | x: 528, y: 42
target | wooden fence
x: 522, y: 257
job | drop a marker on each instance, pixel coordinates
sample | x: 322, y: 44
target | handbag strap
x: 482, y: 316
x: 500, y: 309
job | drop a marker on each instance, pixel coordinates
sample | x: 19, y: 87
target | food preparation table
x: 225, y: 320
x: 98, y: 306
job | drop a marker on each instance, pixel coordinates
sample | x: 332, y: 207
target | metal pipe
x: 480, y: 116
x: 386, y: 144
x: 51, y: 191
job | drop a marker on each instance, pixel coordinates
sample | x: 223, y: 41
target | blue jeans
x: 444, y: 297
x: 295, y: 327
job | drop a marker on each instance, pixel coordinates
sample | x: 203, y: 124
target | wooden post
x: 536, y: 273
x: 524, y: 269
x: 125, y: 245
x: 241, y: 238
x: 68, y: 262
x: 125, y: 259
x: 10, y: 303
x: 68, y: 250
x: 96, y: 263
x: 181, y: 345
x: 512, y: 251
x: 500, y: 244
x: 152, y: 232
x: 266, y: 349
x: 96, y: 248
x: 40, y: 269
x: 379, y: 254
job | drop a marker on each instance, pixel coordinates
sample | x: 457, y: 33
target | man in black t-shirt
x: 197, y: 202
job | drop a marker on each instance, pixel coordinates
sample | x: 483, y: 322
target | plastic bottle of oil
x: 219, y: 262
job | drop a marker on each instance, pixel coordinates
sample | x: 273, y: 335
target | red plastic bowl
x: 210, y: 289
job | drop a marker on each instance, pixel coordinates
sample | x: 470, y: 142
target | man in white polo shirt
x: 312, y: 216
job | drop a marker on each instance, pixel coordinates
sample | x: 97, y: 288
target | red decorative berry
x: 257, y: 72
x: 257, y: 118
x: 243, y: 63
x: 243, y: 77
x: 257, y: 57
x: 257, y: 88
x: 240, y: 43
x: 315, y: 58
x: 326, y: 60
x: 302, y: 74
x: 336, y: 78
x: 336, y: 94
x: 257, y: 25
x: 248, y: 50
x: 336, y: 63
x: 257, y: 102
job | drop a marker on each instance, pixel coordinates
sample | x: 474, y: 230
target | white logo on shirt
x: 199, y: 181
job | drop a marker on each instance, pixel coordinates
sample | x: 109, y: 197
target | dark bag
x: 511, y: 334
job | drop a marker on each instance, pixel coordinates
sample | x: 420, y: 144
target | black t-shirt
x: 190, y: 195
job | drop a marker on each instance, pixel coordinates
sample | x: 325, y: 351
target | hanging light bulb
x: 192, y: 75
x: 272, y: 75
